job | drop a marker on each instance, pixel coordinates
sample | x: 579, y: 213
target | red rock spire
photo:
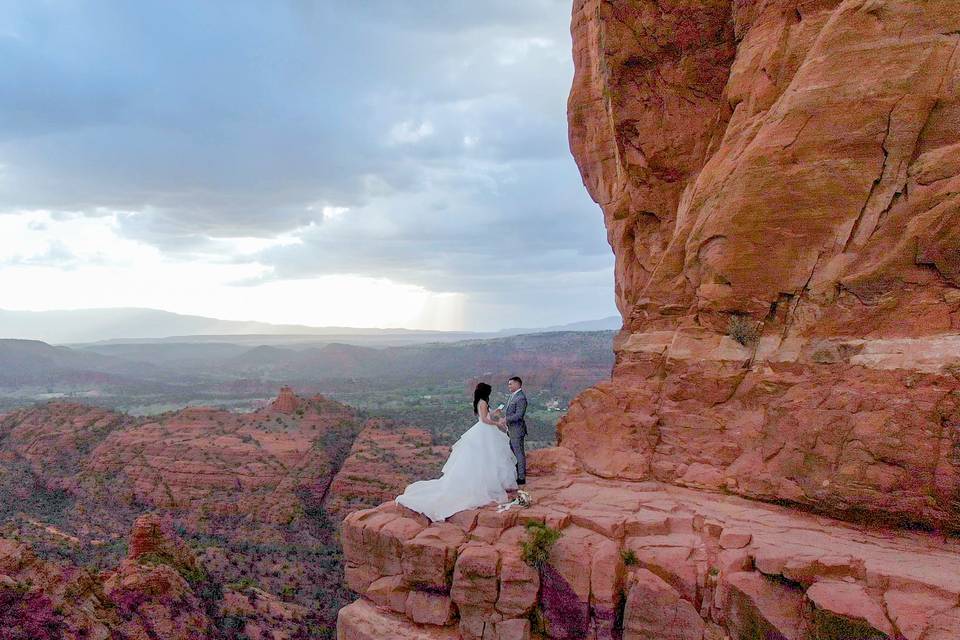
x: 286, y: 402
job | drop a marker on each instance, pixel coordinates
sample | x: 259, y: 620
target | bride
x: 481, y: 469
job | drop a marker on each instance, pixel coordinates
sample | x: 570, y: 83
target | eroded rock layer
x: 779, y: 181
x: 643, y: 561
x: 258, y: 495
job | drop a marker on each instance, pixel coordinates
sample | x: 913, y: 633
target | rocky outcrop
x: 161, y: 590
x: 778, y: 181
x: 643, y: 560
x: 779, y: 184
x: 223, y: 460
x: 150, y: 595
x: 73, y: 478
x: 262, y: 491
x: 384, y: 458
x: 286, y: 401
x: 153, y: 537
x: 49, y: 437
x: 33, y: 594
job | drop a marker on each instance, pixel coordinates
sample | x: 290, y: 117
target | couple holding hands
x: 484, y: 464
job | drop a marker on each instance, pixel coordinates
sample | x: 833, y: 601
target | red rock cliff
x: 778, y: 179
x: 779, y: 183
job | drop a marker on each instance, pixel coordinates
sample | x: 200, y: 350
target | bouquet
x: 523, y: 499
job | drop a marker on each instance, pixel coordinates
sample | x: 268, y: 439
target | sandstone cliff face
x: 779, y: 183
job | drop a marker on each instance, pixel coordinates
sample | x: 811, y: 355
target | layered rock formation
x: 286, y: 402
x: 150, y: 595
x: 779, y: 183
x: 643, y: 561
x: 225, y: 462
x: 384, y: 458
x: 260, y: 493
x: 778, y: 180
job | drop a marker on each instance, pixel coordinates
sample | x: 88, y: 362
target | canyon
x: 776, y: 454
x: 197, y: 523
x: 256, y: 496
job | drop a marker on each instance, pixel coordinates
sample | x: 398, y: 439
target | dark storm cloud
x: 440, y: 125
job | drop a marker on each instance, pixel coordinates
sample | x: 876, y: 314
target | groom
x: 515, y: 425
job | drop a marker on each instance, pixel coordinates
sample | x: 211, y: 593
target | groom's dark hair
x: 517, y: 379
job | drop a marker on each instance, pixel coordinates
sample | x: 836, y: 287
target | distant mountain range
x: 559, y: 359
x: 610, y: 323
x: 32, y: 363
x: 117, y: 325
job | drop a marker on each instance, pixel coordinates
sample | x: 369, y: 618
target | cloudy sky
x: 329, y: 163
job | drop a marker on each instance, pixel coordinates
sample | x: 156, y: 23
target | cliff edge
x: 777, y: 452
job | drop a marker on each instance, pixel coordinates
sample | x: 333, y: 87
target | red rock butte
x: 286, y: 401
x: 779, y: 181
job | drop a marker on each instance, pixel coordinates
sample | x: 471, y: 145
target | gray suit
x: 517, y: 430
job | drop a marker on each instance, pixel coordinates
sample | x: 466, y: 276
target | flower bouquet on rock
x: 523, y: 499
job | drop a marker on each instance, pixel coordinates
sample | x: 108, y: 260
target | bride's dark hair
x: 482, y: 392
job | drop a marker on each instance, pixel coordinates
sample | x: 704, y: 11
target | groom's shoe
x: 521, y: 481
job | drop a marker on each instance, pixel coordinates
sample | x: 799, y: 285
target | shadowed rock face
x: 779, y: 184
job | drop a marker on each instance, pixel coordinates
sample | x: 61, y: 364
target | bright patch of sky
x: 364, y: 164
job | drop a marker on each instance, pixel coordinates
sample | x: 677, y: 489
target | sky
x: 366, y: 163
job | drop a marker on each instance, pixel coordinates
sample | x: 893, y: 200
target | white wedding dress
x: 480, y: 470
